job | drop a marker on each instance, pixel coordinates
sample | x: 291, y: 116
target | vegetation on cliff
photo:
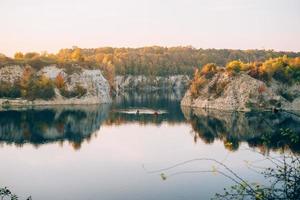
x: 52, y: 83
x: 32, y: 85
x: 147, y: 61
x: 282, y: 69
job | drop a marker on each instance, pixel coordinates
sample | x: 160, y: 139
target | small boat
x: 144, y: 111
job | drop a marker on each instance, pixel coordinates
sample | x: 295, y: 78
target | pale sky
x: 38, y: 25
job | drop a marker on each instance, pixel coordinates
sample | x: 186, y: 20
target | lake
x: 140, y: 147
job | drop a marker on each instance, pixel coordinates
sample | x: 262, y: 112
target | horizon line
x: 145, y: 46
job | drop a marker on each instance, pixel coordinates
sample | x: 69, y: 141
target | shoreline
x: 7, y: 104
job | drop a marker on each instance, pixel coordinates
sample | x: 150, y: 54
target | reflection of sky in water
x: 110, y: 166
x: 94, y: 152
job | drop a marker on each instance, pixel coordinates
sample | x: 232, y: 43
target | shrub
x: 234, y: 66
x: 78, y: 92
x: 277, y: 68
x: 25, y: 79
x: 287, y: 96
x: 19, y: 55
x: 254, y: 70
x: 40, y: 88
x: 59, y: 81
x: 209, y: 70
x: 294, y: 67
x: 196, y: 85
x: 9, y: 90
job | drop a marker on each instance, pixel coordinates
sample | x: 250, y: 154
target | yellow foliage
x: 196, y: 85
x: 210, y: 67
x: 107, y: 59
x: 76, y: 55
x: 19, y: 55
x: 235, y: 66
x: 209, y: 70
x: 246, y: 66
x: 43, y: 80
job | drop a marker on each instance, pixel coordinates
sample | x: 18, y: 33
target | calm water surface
x: 102, y: 152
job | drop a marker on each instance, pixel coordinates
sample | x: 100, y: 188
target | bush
x: 283, y: 69
x: 8, y: 90
x: 40, y: 88
x: 59, y: 81
x: 78, y: 92
x: 209, y: 70
x: 234, y: 66
x: 254, y: 70
x: 196, y: 85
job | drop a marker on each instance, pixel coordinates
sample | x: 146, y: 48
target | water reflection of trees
x: 76, y: 124
x: 157, y: 100
x: 263, y: 130
x: 117, y: 118
x: 53, y: 124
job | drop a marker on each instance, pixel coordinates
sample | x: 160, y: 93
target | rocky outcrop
x: 11, y: 73
x: 242, y: 92
x: 97, y: 89
x: 151, y: 83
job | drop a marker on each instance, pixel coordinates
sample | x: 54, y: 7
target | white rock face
x: 92, y: 80
x: 243, y: 93
x: 96, y: 86
x: 10, y: 73
x: 52, y: 71
x: 151, y: 83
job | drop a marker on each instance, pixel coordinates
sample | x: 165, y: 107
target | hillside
x: 23, y: 85
x: 153, y: 60
x: 274, y: 84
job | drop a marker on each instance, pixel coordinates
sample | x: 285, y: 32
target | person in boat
x: 138, y: 112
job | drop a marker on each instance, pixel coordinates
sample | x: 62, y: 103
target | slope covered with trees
x: 155, y: 60
x: 282, y: 69
x: 273, y: 84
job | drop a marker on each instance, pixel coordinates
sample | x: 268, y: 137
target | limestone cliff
x: 151, y: 83
x: 95, y: 86
x: 242, y: 92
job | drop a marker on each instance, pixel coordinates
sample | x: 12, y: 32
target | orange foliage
x: 59, y: 81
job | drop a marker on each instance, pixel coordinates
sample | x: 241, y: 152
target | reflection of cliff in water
x: 158, y: 100
x: 51, y: 124
x: 263, y: 130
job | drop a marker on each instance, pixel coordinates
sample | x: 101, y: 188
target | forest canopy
x: 151, y: 61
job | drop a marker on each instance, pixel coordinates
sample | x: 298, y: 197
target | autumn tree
x: 24, y: 82
x: 77, y: 55
x: 59, y: 81
x: 209, y: 70
x: 40, y: 87
x: 234, y: 66
x: 162, y: 61
x: 19, y: 56
x: 31, y: 55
